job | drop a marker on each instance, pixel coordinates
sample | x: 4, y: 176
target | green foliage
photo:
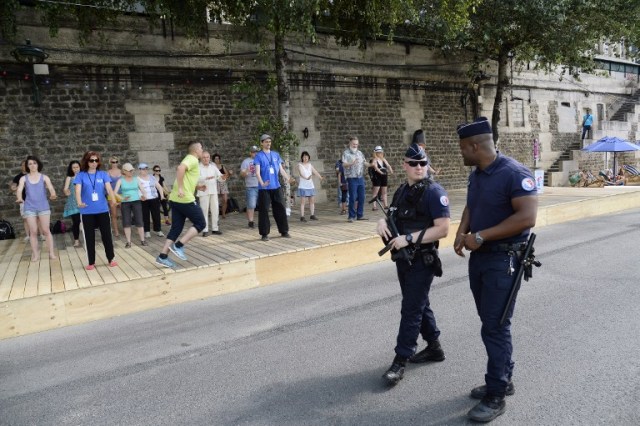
x: 259, y: 17
x: 547, y: 33
x: 8, y: 9
x: 357, y: 21
x: 282, y: 139
x: 258, y: 95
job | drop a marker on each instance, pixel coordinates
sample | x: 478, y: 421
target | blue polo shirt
x: 269, y: 168
x: 490, y: 193
x: 93, y: 183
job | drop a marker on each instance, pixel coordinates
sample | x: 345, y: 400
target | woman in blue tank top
x: 36, y: 206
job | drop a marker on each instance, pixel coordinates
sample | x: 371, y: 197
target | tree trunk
x: 503, y: 81
x: 283, y: 104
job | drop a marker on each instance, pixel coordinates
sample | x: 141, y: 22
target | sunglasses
x: 94, y: 160
x: 114, y: 162
x: 157, y: 170
x: 421, y: 163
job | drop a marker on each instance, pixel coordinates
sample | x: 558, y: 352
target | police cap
x: 415, y: 152
x: 480, y: 126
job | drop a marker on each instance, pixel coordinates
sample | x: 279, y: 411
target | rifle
x: 403, y: 252
x: 527, y: 263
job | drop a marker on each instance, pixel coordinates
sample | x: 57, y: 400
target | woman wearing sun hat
x: 380, y: 170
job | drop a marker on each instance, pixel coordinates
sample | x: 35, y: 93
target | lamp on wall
x: 35, y: 56
x: 305, y: 132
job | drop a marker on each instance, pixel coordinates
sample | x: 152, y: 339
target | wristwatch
x: 409, y: 238
x: 479, y: 239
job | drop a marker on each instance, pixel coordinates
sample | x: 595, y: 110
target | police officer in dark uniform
x: 501, y: 209
x: 420, y: 212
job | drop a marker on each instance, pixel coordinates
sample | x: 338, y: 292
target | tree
x: 547, y: 32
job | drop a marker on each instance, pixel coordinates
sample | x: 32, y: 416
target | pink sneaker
x: 90, y: 267
x: 113, y: 264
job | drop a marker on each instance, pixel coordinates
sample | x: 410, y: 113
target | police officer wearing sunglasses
x: 420, y: 211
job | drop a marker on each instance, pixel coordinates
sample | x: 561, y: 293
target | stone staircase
x: 627, y: 107
x: 559, y: 170
x: 558, y: 173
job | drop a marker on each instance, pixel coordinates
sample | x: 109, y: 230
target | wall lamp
x: 305, y: 132
x: 32, y: 55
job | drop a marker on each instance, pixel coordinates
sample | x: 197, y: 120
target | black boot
x: 433, y: 352
x: 394, y: 374
x: 487, y: 409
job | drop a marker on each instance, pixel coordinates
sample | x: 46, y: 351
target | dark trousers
x: 151, y: 207
x: 165, y: 207
x: 90, y: 223
x: 356, y: 193
x: 586, y: 130
x: 273, y: 198
x: 416, y: 314
x: 75, y: 227
x: 491, y: 284
x: 180, y: 212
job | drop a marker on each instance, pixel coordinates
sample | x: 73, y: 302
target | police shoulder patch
x: 444, y: 200
x: 528, y: 184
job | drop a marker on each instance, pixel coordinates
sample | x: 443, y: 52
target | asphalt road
x: 312, y: 352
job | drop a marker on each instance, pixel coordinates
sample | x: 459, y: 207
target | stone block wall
x: 69, y: 122
x: 209, y: 115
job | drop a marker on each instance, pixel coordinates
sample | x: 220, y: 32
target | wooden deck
x: 21, y: 278
x: 45, y: 294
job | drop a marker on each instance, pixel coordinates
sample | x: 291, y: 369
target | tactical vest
x: 410, y: 215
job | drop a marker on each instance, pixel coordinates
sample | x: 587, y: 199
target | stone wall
x: 144, y: 98
x: 68, y: 123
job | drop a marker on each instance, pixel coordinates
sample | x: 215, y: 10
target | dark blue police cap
x: 415, y: 152
x: 419, y: 137
x: 480, y: 126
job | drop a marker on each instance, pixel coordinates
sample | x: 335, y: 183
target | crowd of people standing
x: 114, y: 197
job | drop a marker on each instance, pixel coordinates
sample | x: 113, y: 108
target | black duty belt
x: 506, y: 247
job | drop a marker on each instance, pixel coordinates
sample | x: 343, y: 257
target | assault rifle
x: 527, y: 263
x: 403, y: 252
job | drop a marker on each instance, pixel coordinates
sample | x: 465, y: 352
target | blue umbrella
x: 612, y: 144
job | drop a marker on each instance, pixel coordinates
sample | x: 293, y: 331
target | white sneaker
x: 26, y: 238
x: 160, y: 234
x: 147, y: 234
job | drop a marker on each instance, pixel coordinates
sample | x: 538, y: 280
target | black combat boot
x: 394, y: 374
x: 487, y: 409
x: 433, y: 352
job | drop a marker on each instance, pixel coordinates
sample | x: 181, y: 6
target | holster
x: 431, y: 258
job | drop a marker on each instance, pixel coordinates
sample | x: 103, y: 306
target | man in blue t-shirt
x: 268, y: 164
x: 587, y: 122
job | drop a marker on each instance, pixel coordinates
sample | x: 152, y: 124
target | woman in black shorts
x: 379, y: 172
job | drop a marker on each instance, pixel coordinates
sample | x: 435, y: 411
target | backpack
x: 59, y: 227
x: 6, y: 230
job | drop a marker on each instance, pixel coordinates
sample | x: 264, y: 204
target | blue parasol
x: 612, y: 144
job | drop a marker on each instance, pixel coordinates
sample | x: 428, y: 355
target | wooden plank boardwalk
x: 20, y: 278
